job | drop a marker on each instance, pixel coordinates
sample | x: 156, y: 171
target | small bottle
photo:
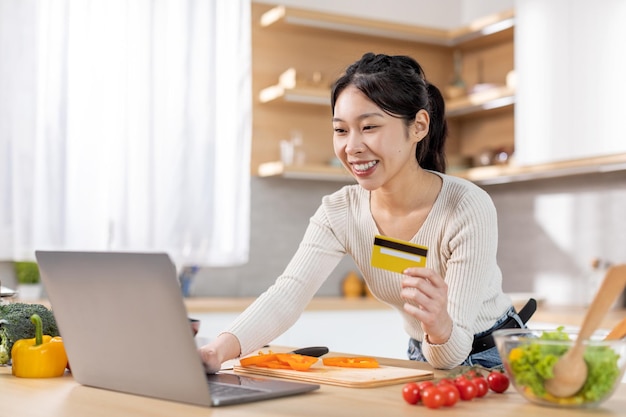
x: 599, y: 268
x: 593, y: 280
x: 286, y: 152
x: 299, y: 157
x: 352, y: 286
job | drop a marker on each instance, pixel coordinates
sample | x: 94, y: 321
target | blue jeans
x: 489, y: 358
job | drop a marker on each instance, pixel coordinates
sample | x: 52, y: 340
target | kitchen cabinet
x: 313, y: 49
x: 572, y: 107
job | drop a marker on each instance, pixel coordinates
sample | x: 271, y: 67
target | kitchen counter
x: 64, y: 397
x: 238, y: 304
x: 545, y: 314
x: 562, y: 315
x: 553, y: 314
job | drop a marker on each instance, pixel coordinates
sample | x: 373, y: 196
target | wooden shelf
x: 305, y: 172
x: 490, y: 175
x: 480, y: 29
x: 498, y: 97
x: 503, y: 174
x: 494, y: 98
x: 277, y: 93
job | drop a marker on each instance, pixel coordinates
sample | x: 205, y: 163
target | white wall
x: 445, y: 14
x: 475, y: 9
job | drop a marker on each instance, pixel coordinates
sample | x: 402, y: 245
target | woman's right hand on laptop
x: 225, y: 347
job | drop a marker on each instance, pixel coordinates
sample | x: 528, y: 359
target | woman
x: 389, y: 132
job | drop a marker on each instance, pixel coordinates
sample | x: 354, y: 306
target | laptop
x: 125, y: 328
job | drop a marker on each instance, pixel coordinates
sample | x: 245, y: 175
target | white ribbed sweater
x: 461, y: 234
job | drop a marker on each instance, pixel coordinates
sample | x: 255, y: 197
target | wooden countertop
x: 235, y: 304
x: 64, y: 397
x: 562, y: 315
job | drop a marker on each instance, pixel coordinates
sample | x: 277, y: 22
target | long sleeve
x: 278, y: 308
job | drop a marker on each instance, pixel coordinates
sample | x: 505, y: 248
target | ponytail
x: 430, y: 152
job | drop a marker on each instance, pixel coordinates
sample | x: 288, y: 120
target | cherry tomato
x: 460, y: 378
x: 445, y: 381
x: 498, y: 381
x: 425, y: 384
x: 411, y: 393
x: 467, y: 389
x: 450, y: 394
x: 432, y: 397
x: 482, y: 387
x: 471, y: 374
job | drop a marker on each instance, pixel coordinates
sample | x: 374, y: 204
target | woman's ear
x: 420, y: 125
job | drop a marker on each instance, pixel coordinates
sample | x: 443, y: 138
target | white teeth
x: 364, y: 167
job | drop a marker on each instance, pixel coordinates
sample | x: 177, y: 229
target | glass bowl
x: 528, y: 356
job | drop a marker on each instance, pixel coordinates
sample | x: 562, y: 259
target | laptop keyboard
x: 227, y: 390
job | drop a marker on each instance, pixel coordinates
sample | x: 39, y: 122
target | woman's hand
x: 226, y: 346
x: 426, y: 298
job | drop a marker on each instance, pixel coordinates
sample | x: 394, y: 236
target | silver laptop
x: 125, y: 328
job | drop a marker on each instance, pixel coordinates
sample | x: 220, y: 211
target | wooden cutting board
x: 345, y: 377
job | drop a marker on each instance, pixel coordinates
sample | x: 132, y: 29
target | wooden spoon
x: 618, y: 331
x: 570, y: 371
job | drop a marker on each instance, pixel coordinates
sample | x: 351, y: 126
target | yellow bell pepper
x: 41, y: 357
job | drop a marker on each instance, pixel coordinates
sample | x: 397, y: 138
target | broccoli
x: 15, y: 324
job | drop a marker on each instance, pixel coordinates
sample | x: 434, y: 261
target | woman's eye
x: 369, y: 127
x: 339, y: 130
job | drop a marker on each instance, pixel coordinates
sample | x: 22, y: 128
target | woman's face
x: 374, y: 146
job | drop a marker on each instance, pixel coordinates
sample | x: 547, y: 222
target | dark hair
x: 397, y: 85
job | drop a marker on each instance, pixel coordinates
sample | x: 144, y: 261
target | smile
x: 364, y: 166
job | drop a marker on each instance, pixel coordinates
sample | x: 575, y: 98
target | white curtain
x: 125, y: 125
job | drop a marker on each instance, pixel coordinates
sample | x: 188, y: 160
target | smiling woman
x: 116, y: 119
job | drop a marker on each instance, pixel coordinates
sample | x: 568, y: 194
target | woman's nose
x: 354, y: 144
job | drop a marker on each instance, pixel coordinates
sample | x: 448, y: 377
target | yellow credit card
x: 397, y: 255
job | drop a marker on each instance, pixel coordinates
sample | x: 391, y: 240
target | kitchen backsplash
x: 551, y: 230
x: 280, y: 212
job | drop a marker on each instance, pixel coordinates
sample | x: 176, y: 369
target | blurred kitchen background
x: 552, y: 227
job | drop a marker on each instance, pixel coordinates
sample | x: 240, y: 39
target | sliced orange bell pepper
x: 348, y: 362
x: 258, y: 359
x: 297, y: 362
x: 279, y: 361
x: 275, y: 364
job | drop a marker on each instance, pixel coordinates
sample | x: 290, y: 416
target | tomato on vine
x: 432, y: 397
x: 425, y: 384
x: 450, y: 394
x: 445, y: 381
x: 467, y: 389
x: 411, y: 393
x: 498, y: 381
x: 482, y: 386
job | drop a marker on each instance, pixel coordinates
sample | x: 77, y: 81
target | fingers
x: 424, y: 273
x: 209, y: 357
x: 422, y: 290
x: 425, y: 293
x: 426, y: 296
